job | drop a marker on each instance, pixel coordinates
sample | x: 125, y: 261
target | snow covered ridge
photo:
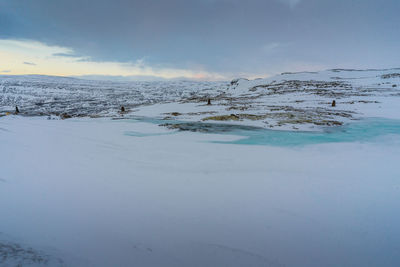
x: 299, y: 101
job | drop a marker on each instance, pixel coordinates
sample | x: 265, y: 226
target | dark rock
x: 390, y: 75
x: 65, y: 116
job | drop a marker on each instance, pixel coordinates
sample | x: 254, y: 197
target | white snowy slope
x: 101, y: 192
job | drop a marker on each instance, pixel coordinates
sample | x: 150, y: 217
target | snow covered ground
x: 290, y: 101
x: 120, y: 190
x: 102, y: 192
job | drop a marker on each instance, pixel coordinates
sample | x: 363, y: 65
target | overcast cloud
x: 254, y: 37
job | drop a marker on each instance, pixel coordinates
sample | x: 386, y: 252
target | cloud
x: 5, y: 71
x: 271, y: 47
x: 181, y: 33
x: 29, y: 63
x: 64, y: 55
x: 62, y: 61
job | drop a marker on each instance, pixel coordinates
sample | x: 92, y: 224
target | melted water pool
x: 366, y: 130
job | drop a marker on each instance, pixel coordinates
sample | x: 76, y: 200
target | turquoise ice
x: 366, y: 130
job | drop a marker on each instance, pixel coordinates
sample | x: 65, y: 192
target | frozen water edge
x: 91, y: 194
x: 363, y: 130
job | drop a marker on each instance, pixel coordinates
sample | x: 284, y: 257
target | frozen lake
x: 102, y: 192
x: 364, y: 130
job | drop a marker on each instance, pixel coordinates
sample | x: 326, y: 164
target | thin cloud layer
x: 29, y: 63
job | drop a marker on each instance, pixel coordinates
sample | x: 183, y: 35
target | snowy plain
x: 290, y: 101
x: 127, y: 192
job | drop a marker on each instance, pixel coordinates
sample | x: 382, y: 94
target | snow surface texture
x: 292, y: 101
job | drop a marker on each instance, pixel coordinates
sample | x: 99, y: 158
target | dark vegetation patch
x: 12, y: 254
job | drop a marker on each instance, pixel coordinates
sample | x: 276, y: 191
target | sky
x: 196, y: 39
